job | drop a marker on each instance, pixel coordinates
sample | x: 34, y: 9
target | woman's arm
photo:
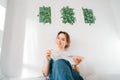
x: 75, y: 67
x: 46, y: 66
x: 76, y: 60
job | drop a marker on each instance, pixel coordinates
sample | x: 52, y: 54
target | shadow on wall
x: 1, y: 37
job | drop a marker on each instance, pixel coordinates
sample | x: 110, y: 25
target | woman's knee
x: 60, y: 61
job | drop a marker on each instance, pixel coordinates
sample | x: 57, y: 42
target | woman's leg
x: 76, y: 75
x: 62, y: 70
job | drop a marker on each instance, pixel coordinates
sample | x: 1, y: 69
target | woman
x: 58, y: 64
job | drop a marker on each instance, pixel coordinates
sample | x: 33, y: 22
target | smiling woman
x: 57, y: 65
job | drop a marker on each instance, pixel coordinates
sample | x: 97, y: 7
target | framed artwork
x: 88, y: 16
x: 45, y: 14
x: 68, y: 15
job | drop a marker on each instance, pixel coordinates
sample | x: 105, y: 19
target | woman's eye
x: 63, y: 39
x: 57, y: 37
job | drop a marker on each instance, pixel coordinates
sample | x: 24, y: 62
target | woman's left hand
x: 77, y: 60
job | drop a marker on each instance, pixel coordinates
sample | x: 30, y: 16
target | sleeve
x: 70, y: 60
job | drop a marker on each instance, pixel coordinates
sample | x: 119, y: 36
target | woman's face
x: 61, y: 40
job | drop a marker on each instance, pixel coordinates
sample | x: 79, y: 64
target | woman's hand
x: 77, y: 60
x: 48, y: 54
x: 47, y: 63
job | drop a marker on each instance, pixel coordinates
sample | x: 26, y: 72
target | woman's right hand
x: 48, y: 54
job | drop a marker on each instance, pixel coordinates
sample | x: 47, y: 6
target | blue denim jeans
x: 61, y: 69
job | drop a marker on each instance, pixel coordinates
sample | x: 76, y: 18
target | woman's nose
x: 59, y: 40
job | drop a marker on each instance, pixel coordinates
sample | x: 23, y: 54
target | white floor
x: 28, y: 73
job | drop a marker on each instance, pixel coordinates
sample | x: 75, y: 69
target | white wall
x: 13, y: 39
x: 2, y: 20
x: 98, y: 43
x: 116, y: 12
x: 3, y: 4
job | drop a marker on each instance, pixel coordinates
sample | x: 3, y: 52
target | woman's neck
x: 60, y: 49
